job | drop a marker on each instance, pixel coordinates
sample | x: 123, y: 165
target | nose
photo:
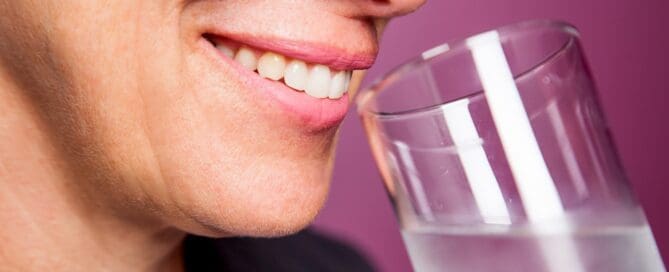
x: 383, y: 8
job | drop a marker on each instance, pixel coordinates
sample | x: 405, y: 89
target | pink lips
x: 313, y: 114
x: 310, y: 52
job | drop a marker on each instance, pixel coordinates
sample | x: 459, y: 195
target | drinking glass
x: 496, y: 156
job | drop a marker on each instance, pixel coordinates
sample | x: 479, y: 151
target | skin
x: 118, y: 135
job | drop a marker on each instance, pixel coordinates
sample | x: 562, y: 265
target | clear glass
x: 497, y: 158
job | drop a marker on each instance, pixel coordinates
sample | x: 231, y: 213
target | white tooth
x: 296, y: 75
x: 318, y: 84
x: 247, y: 58
x: 226, y: 50
x: 271, y: 65
x: 337, y: 85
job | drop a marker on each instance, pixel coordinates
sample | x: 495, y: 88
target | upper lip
x: 308, y: 51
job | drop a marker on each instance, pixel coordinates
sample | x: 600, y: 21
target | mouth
x: 309, y: 82
x: 316, y: 80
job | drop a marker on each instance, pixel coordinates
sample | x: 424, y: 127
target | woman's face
x: 157, y: 114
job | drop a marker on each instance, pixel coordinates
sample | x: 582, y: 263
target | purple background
x: 627, y: 45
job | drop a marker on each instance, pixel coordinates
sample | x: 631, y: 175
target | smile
x: 308, y: 81
x: 316, y: 80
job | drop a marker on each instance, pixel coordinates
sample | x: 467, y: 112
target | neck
x: 47, y: 226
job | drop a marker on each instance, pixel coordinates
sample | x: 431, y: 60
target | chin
x: 267, y: 213
x: 273, y: 196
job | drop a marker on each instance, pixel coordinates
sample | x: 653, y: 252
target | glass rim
x: 369, y: 93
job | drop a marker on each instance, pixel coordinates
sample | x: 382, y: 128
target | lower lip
x: 314, y: 114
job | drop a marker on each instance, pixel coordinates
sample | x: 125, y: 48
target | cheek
x: 135, y: 105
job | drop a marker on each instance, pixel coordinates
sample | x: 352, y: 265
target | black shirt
x: 304, y: 251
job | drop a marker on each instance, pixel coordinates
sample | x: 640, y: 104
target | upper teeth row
x: 316, y: 80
